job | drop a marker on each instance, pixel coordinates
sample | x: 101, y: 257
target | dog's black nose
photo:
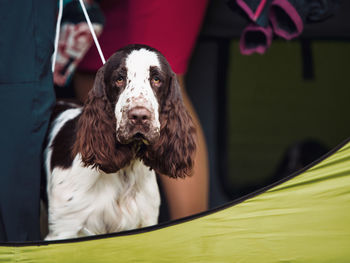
x: 139, y: 115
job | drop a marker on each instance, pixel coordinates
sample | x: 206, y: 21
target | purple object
x: 285, y: 19
x: 255, y: 39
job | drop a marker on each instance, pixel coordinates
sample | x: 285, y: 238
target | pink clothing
x: 169, y: 26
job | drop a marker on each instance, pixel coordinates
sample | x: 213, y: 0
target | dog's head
x: 135, y: 110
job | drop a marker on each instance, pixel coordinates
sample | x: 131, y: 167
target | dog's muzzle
x: 138, y: 126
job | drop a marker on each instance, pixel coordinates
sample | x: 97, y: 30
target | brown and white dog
x: 101, y: 158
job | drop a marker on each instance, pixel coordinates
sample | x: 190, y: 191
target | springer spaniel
x: 101, y: 158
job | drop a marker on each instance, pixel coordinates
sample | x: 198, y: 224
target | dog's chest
x: 123, y: 201
x: 106, y: 203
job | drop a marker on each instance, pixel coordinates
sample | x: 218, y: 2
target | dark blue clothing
x: 26, y: 96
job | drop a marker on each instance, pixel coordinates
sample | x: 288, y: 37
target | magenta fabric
x: 169, y: 26
x: 260, y: 44
x: 252, y: 14
x: 292, y: 13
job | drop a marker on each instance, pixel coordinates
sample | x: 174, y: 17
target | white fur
x: 85, y: 201
x: 55, y: 128
x: 138, y: 91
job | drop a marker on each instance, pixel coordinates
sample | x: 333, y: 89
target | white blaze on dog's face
x: 138, y: 98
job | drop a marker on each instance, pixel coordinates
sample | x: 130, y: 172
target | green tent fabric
x: 303, y: 218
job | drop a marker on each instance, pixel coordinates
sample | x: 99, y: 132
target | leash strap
x: 92, y: 31
x: 58, y: 25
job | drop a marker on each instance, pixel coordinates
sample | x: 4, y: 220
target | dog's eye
x: 120, y: 81
x: 156, y: 81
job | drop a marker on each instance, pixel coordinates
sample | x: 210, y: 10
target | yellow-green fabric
x: 304, y: 219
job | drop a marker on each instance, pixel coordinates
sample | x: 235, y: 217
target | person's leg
x: 26, y: 98
x: 25, y: 123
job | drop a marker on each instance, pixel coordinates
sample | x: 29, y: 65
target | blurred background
x: 266, y: 116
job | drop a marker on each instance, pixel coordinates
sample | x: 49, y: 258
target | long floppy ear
x: 96, y: 135
x: 173, y: 154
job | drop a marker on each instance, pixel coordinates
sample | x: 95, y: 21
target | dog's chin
x: 137, y: 138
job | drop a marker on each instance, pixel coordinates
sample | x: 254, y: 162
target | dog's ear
x: 96, y: 135
x: 99, y: 88
x: 173, y: 154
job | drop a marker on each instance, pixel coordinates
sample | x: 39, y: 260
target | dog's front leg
x: 65, y: 225
x: 60, y: 236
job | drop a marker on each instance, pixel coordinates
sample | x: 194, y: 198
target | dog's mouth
x: 137, y: 137
x: 140, y: 138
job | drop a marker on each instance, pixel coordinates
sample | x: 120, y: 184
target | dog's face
x: 135, y: 110
x: 136, y: 82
